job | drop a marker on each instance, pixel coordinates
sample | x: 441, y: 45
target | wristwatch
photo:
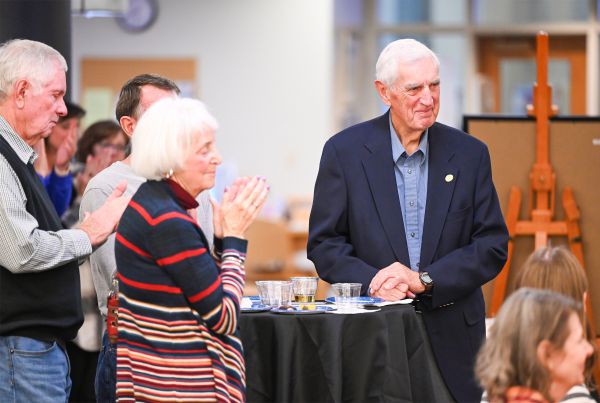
x: 426, y: 280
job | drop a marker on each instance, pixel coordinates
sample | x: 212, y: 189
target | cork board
x: 102, y: 79
x: 575, y: 157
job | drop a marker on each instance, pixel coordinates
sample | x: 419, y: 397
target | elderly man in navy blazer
x: 407, y: 207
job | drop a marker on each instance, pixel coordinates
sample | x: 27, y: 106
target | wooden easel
x: 542, y: 189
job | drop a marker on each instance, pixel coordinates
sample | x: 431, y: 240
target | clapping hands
x: 241, y: 204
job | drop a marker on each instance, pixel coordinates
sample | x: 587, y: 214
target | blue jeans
x: 106, y: 372
x: 33, y: 371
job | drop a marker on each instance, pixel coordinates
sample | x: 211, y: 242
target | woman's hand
x: 241, y: 204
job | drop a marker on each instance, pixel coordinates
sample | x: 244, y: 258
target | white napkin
x: 246, y: 302
x: 400, y: 301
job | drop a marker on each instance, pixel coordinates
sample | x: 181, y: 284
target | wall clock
x: 140, y: 15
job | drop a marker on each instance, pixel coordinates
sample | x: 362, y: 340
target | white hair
x: 22, y: 59
x: 399, y: 52
x: 164, y: 136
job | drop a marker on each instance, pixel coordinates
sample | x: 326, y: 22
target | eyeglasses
x: 117, y: 147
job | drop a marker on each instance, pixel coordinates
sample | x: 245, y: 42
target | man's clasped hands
x: 396, y: 282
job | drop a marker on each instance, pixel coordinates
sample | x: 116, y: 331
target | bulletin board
x: 102, y: 79
x: 575, y: 157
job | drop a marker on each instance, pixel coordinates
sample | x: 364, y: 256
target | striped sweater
x: 178, y: 305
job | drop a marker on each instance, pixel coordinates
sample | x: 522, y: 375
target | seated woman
x: 536, y: 351
x: 178, y: 305
x: 557, y: 269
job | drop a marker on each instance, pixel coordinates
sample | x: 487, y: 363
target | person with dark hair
x: 40, y: 304
x: 102, y: 144
x: 136, y: 96
x: 55, y: 155
x: 99, y: 136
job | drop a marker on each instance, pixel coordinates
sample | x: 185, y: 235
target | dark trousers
x: 83, y: 371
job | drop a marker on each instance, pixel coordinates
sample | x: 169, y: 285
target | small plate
x: 318, y: 309
x: 360, y: 300
x: 256, y: 308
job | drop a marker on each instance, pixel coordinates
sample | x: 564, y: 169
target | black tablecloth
x: 371, y: 357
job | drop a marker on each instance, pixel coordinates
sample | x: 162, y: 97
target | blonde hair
x: 557, y: 269
x: 509, y: 355
x: 164, y: 136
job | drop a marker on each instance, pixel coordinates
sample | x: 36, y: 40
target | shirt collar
x: 181, y: 195
x: 20, y: 147
x: 398, y: 149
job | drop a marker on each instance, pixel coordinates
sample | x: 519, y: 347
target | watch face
x: 426, y: 279
x: 140, y: 15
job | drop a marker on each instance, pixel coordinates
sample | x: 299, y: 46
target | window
x: 455, y: 30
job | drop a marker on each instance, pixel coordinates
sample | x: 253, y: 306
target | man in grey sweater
x: 135, y: 98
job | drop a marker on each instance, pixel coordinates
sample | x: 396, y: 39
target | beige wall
x: 263, y: 68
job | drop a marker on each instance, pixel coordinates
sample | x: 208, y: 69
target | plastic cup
x: 304, y: 288
x: 275, y: 293
x: 346, y: 295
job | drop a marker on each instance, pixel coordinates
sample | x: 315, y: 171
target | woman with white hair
x: 178, y: 305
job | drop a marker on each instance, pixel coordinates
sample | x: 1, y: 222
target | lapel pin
x: 449, y: 178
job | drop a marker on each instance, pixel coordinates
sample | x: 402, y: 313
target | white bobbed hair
x: 23, y: 59
x: 164, y: 136
x: 399, y: 52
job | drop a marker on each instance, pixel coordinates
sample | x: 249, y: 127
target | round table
x: 379, y: 356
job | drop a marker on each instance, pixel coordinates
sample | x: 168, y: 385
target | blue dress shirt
x: 411, y: 180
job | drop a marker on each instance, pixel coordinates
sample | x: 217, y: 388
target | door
x: 507, y: 65
x: 102, y: 79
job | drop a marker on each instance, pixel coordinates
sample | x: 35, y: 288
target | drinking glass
x: 275, y: 293
x: 346, y: 295
x: 305, y: 288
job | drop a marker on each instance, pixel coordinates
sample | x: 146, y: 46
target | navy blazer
x: 356, y: 229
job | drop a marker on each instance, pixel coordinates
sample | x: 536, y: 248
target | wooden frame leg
x: 514, y: 207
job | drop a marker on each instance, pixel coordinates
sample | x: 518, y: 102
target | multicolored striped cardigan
x: 178, y: 305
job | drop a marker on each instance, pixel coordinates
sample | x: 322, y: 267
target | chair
x: 269, y: 253
x: 273, y: 255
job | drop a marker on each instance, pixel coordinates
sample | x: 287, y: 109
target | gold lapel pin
x: 449, y: 178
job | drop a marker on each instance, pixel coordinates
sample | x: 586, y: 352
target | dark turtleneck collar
x: 181, y: 195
